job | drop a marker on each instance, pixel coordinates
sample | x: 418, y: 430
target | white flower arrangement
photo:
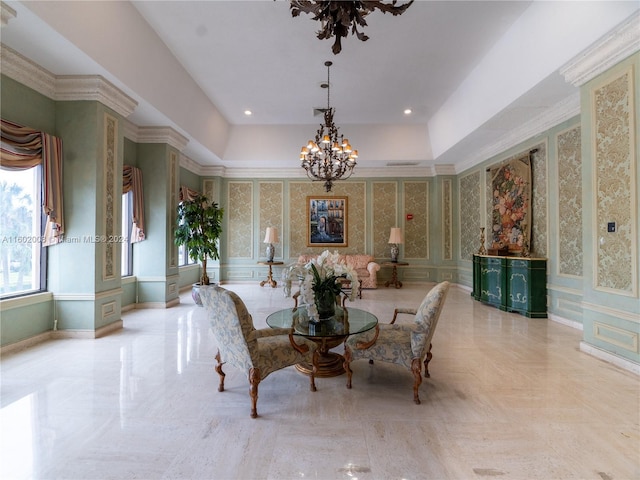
x: 322, y: 274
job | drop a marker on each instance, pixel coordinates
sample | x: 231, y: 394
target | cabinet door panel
x: 493, y: 281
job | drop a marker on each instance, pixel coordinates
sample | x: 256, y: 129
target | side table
x: 270, y: 280
x: 394, y: 273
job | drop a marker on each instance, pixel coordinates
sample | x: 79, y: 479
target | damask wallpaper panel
x: 356, y: 213
x: 569, y: 206
x: 539, y: 201
x: 112, y: 176
x: 385, y: 212
x: 447, y: 220
x: 240, y: 219
x: 470, y: 188
x: 271, y: 214
x: 615, y: 199
x: 173, y: 205
x: 416, y: 230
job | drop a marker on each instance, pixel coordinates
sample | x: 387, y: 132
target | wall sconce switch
x: 611, y: 227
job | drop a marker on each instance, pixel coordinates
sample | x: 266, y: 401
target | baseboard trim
x: 169, y: 304
x: 566, y: 321
x: 623, y: 363
x: 59, y: 334
x: 26, y: 343
x: 88, y: 334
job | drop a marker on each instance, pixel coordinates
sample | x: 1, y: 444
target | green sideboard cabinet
x: 513, y: 284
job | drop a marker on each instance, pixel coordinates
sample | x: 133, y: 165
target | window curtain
x: 132, y: 182
x: 187, y: 194
x: 23, y: 148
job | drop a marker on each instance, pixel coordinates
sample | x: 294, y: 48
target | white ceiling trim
x: 162, y: 135
x: 617, y: 45
x: 7, y: 13
x: 562, y: 111
x: 94, y: 88
x: 24, y: 71
x: 65, y: 88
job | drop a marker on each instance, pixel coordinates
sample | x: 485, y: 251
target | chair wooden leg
x: 416, y: 368
x: 426, y: 362
x: 254, y: 380
x: 220, y: 372
x: 314, y: 370
x: 347, y: 363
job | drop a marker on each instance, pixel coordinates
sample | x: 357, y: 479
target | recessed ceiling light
x: 407, y: 111
x: 248, y: 113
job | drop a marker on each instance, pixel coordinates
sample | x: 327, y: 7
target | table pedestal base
x: 270, y: 281
x: 330, y: 364
x: 394, y: 279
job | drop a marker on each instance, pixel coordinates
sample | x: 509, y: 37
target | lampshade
x: 271, y: 236
x: 395, y: 236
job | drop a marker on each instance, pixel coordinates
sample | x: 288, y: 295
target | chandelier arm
x: 330, y: 157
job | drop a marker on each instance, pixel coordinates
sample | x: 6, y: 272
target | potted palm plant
x: 199, y: 225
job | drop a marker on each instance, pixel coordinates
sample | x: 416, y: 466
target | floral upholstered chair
x: 256, y: 352
x: 403, y: 344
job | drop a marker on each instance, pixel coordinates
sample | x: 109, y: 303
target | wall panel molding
x: 110, y: 186
x: 616, y: 336
x: 568, y: 242
x: 614, y: 183
x: 239, y: 213
x: 612, y: 312
x: 447, y: 221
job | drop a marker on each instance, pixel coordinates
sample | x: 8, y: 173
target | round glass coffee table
x: 327, y: 333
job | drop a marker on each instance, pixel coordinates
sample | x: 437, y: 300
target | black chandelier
x: 337, y: 17
x: 330, y: 157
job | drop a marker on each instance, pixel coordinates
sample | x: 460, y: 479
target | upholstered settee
x: 364, y: 265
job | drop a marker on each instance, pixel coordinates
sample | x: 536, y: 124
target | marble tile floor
x: 508, y: 398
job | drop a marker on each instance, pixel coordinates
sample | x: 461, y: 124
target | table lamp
x: 270, y: 238
x: 395, y: 238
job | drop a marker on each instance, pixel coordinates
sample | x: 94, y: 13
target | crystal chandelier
x: 338, y: 17
x: 330, y: 157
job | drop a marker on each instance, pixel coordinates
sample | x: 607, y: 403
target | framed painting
x: 326, y: 221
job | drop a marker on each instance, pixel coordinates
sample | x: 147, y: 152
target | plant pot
x: 195, y: 294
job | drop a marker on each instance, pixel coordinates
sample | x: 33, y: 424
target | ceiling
x: 471, y: 72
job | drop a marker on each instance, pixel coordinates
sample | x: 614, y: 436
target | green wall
x: 439, y: 242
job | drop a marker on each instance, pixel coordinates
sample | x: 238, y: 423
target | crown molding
x: 212, y: 171
x: 7, y: 13
x: 558, y: 113
x: 157, y: 135
x: 130, y: 130
x: 445, y: 169
x: 96, y: 88
x: 620, y: 43
x: 26, y: 72
x: 162, y: 135
x: 189, y: 164
x: 65, y: 88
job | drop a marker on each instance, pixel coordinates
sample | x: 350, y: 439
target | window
x: 183, y: 256
x: 22, y: 256
x: 127, y: 245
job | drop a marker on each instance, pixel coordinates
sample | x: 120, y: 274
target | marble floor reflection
x: 509, y: 398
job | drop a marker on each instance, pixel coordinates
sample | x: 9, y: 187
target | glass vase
x: 325, y: 304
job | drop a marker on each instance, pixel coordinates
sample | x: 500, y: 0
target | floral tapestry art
x: 511, y: 204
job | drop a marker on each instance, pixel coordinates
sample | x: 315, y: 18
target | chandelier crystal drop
x: 330, y: 157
